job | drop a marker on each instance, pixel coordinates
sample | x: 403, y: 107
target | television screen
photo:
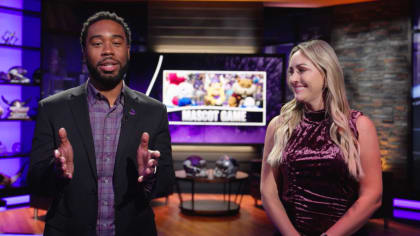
x: 214, y: 97
x: 188, y: 85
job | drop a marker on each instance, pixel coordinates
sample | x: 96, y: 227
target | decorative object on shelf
x: 9, y: 38
x: 5, y: 180
x: 226, y: 167
x: 17, y: 75
x: 8, y: 181
x: 195, y: 166
x: 3, y: 77
x: 3, y: 149
x: 17, y: 109
x: 37, y: 76
x: 16, y: 148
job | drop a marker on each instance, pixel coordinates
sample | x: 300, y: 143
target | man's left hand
x: 146, y: 159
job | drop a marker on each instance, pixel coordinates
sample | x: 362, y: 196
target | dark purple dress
x: 317, y: 188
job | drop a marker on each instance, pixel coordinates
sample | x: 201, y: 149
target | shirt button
x: 106, y: 159
x: 107, y: 137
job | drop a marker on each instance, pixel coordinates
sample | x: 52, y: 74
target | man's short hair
x: 103, y: 15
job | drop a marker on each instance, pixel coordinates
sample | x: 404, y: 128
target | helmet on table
x: 226, y: 167
x: 195, y: 166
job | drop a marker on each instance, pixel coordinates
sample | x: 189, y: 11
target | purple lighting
x: 216, y: 134
x: 20, y: 30
x: 411, y: 215
x: 408, y: 204
x: 9, y: 135
x: 11, y: 21
x: 9, y: 57
x: 10, y: 92
x: 32, y: 5
x: 17, y: 200
x: 12, y: 3
x: 20, y: 235
x: 9, y: 166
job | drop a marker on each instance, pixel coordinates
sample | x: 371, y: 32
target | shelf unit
x: 22, y: 19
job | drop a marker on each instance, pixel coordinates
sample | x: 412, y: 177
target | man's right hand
x: 64, y: 156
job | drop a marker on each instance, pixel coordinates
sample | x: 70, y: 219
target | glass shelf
x: 20, y: 47
x: 21, y: 84
x: 24, y: 11
x: 1, y: 120
x: 21, y: 155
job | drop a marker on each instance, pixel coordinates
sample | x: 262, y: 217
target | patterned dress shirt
x: 106, y: 125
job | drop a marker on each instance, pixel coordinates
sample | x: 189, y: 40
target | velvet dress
x: 315, y: 187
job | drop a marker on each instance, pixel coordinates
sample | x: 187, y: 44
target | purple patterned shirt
x: 106, y: 125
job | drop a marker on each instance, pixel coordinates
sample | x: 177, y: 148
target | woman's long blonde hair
x: 336, y: 105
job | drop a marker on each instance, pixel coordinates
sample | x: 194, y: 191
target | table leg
x: 179, y: 194
x: 192, y: 194
x: 229, y: 189
x: 238, y: 191
x: 241, y: 191
x: 36, y: 214
x: 224, y: 192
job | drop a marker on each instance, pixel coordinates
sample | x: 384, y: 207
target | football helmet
x: 226, y: 167
x: 195, y: 166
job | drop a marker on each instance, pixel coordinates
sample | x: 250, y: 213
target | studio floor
x: 171, y: 222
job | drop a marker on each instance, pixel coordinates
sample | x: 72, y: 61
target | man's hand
x: 146, y: 159
x: 64, y: 156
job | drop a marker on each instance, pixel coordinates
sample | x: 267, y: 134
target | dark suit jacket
x: 75, y: 206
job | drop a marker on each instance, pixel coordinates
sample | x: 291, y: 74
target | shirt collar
x: 94, y: 96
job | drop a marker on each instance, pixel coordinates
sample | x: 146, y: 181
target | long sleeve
x: 42, y: 178
x: 165, y: 175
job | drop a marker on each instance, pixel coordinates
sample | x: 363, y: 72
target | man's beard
x: 106, y: 82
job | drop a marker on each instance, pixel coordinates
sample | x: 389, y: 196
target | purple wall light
x: 407, y: 204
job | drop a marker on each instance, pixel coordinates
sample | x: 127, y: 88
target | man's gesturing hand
x: 146, y: 159
x: 64, y: 155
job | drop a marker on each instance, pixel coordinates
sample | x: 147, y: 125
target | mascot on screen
x: 180, y: 90
x: 243, y: 92
x: 215, y: 93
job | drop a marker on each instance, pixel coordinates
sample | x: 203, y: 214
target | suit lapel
x: 131, y: 123
x: 79, y: 107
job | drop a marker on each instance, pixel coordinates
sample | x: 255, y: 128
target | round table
x: 230, y: 204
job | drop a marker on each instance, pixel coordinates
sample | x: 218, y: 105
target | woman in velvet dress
x: 321, y: 171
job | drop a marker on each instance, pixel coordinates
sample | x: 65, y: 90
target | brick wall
x: 373, y: 43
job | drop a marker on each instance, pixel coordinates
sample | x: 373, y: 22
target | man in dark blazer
x: 92, y: 148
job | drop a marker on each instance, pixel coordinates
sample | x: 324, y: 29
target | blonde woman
x: 321, y: 172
